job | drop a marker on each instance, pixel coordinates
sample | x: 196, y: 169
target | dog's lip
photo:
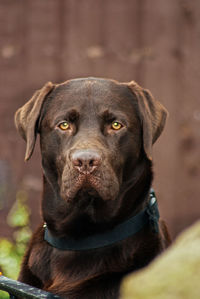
x: 87, y: 192
x: 85, y: 184
x: 104, y: 188
x: 88, y: 188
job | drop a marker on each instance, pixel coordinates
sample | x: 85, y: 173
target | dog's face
x: 94, y: 133
x: 90, y: 138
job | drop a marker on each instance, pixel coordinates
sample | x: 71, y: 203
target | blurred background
x: 156, y: 43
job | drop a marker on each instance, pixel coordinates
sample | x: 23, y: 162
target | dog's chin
x: 87, y: 195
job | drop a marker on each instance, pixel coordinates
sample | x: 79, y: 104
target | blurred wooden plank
x: 12, y: 81
x: 160, y: 76
x: 121, y: 39
x: 188, y: 116
x: 83, y: 41
x: 166, y: 75
x: 101, y: 39
x: 43, y: 41
x: 12, y: 63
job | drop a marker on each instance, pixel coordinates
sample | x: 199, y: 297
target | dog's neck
x: 148, y: 216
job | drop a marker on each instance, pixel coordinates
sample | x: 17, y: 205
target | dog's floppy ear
x: 153, y: 116
x: 26, y: 118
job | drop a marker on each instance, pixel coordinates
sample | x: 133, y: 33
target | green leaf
x: 9, y: 259
x: 19, y: 213
x: 11, y: 253
x: 4, y: 295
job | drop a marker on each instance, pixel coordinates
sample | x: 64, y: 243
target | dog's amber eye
x: 116, y: 125
x: 64, y: 125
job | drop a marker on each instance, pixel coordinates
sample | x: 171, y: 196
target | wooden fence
x: 156, y: 43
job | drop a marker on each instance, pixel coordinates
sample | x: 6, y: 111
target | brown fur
x: 80, y: 203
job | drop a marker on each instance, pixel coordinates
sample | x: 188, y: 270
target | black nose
x: 86, y: 160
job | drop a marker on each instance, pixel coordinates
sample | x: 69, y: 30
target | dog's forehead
x: 90, y: 83
x: 93, y: 88
x: 86, y: 93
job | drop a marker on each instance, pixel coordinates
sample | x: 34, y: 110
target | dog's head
x: 94, y: 135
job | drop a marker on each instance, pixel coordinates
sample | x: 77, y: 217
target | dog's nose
x: 86, y: 160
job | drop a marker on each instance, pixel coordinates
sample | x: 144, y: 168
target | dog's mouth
x: 100, y: 185
x: 87, y: 191
x: 84, y: 188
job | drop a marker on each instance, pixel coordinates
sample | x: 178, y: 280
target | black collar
x: 150, y: 215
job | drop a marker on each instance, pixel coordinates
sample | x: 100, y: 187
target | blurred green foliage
x: 11, y: 252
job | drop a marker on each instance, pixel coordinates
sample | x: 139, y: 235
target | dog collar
x: 150, y: 215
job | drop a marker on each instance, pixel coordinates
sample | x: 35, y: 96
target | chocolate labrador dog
x: 100, y: 218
